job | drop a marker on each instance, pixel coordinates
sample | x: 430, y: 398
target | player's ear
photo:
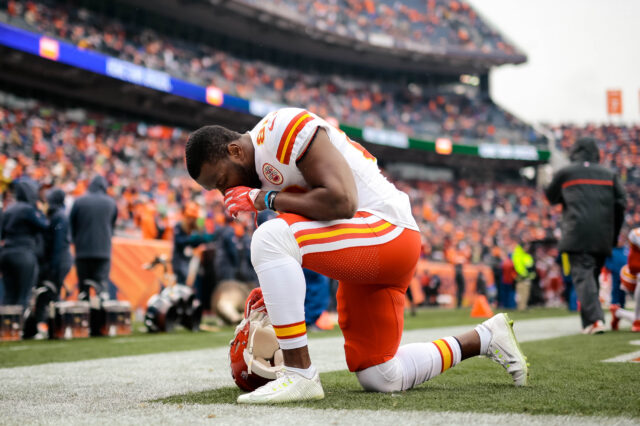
x: 235, y: 151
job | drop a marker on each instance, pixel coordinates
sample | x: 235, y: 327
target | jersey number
x: 260, y: 140
x: 362, y: 149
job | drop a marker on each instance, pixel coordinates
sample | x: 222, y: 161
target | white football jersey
x: 282, y: 137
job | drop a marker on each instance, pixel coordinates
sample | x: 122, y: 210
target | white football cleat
x: 289, y: 386
x: 505, y: 350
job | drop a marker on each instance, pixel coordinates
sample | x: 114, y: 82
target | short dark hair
x: 206, y: 144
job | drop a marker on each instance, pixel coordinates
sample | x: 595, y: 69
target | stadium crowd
x: 461, y: 222
x: 416, y: 109
x: 618, y: 146
x: 423, y: 25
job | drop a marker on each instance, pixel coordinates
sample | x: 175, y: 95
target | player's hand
x: 255, y: 302
x: 241, y: 199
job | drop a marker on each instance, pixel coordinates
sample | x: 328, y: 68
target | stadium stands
x: 144, y: 166
x: 618, y: 145
x: 411, y: 24
x: 422, y: 110
x: 461, y: 221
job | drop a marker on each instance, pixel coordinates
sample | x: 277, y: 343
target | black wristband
x: 271, y: 196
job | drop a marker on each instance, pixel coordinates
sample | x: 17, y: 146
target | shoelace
x: 283, y: 380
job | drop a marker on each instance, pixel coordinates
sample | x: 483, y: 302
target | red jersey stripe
x: 291, y: 142
x: 283, y: 138
x: 573, y: 182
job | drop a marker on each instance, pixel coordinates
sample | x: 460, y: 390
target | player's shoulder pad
x: 285, y: 132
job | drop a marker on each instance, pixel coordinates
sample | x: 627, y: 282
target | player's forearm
x: 317, y: 204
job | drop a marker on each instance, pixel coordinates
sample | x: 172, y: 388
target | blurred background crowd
x: 408, y: 24
x: 463, y: 221
x: 417, y: 108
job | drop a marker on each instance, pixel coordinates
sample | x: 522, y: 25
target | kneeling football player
x: 341, y: 218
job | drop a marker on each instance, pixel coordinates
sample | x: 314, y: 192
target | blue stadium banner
x: 98, y: 63
x: 123, y: 70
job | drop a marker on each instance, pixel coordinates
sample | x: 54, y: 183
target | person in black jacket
x: 92, y: 219
x: 22, y: 224
x: 186, y: 237
x: 593, y: 202
x: 460, y: 283
x: 57, y: 240
x: 55, y: 262
x: 227, y: 253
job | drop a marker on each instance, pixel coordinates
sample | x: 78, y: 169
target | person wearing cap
x: 593, y: 202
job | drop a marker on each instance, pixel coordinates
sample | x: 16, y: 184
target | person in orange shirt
x: 148, y: 221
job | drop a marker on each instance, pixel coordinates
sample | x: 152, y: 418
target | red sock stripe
x: 290, y: 331
x: 445, y: 353
x: 450, y: 351
x: 287, y: 325
x: 292, y: 336
x: 441, y: 357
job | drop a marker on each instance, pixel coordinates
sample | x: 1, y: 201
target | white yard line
x: 116, y: 390
x: 626, y: 357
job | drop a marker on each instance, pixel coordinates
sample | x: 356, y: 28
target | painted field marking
x: 630, y: 357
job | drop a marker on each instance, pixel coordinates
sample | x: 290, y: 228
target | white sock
x: 283, y: 287
x: 625, y: 314
x: 423, y: 361
x: 304, y: 372
x: 485, y: 338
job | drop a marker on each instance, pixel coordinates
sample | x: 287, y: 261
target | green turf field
x: 567, y: 377
x: 14, y: 354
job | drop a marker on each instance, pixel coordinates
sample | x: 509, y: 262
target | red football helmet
x: 255, y: 354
